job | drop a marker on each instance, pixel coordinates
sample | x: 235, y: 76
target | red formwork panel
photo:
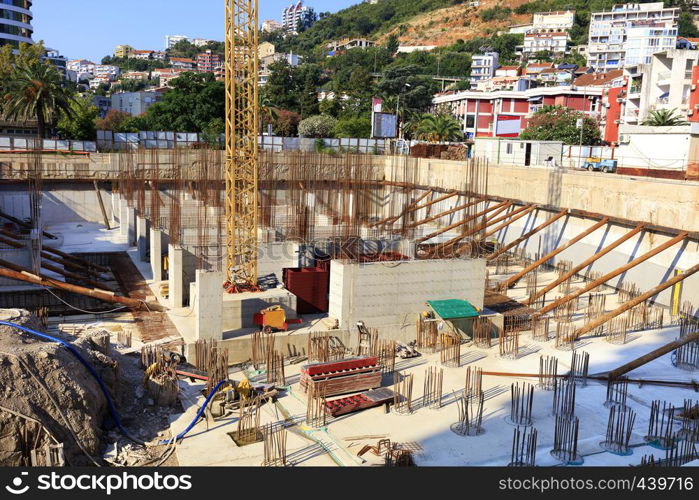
x: 334, y: 367
x: 311, y: 287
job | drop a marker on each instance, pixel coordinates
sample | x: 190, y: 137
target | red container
x: 311, y: 286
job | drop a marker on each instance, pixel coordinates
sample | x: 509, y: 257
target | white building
x: 270, y: 25
x: 483, y: 67
x: 107, y: 71
x: 145, y: 55
x: 97, y: 81
x: 556, y: 20
x: 609, y: 33
x: 645, y: 38
x: 172, y: 40
x: 555, y: 42
x: 81, y: 66
x: 292, y: 15
x: 664, y: 83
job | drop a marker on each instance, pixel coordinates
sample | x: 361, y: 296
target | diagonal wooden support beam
x: 514, y: 279
x: 432, y: 202
x: 393, y: 218
x: 501, y: 207
x: 531, y: 233
x: 514, y: 216
x: 612, y: 274
x: 484, y: 225
x: 632, y: 303
x: 589, y: 261
x: 442, y: 214
x: 452, y: 226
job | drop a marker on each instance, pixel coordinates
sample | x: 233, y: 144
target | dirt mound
x: 32, y: 373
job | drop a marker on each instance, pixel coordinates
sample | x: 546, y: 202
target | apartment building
x: 123, y: 51
x: 292, y: 15
x: 81, y: 66
x: 172, y: 40
x: 209, y: 62
x: 649, y: 26
x: 135, y: 103
x: 554, y: 20
x: 483, y: 67
x: 107, y: 71
x: 182, y: 63
x: 555, y: 42
x: 145, y: 55
x: 15, y: 22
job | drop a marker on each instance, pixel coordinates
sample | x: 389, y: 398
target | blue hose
x: 199, y: 414
x: 93, y: 372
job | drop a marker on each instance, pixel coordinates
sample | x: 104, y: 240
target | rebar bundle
x: 217, y: 369
x: 628, y: 291
x: 521, y: 402
x: 619, y: 429
x: 565, y: 336
x: 470, y: 416
x: 450, y: 354
x: 523, y: 447
x: 638, y: 317
x: 502, y: 264
x: 616, y: 330
x: 203, y: 352
x: 564, y: 312
x: 685, y: 318
x: 540, y: 328
x: 579, y: 366
x: 532, y: 283
x: 274, y: 445
x: 473, y: 388
x: 402, y: 393
x: 594, y: 276
x: 323, y: 347
x: 660, y: 425
x: 427, y: 335
x: 686, y: 357
x: 595, y: 308
x: 617, y: 392
x: 432, y: 389
x: 509, y: 343
x: 161, y: 379
x: 257, y: 350
x: 385, y: 351
x: 689, y: 420
x: 655, y: 319
x: 564, y: 397
x: 565, y: 440
x: 683, y: 453
x: 563, y: 267
x: 248, y: 430
x: 548, y: 372
x: 481, y: 333
x: 274, y: 367
x: 315, y: 405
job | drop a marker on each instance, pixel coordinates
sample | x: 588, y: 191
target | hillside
x: 443, y: 22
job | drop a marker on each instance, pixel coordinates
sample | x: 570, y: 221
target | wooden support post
x: 101, y: 203
x: 394, y: 218
x: 75, y: 259
x: 589, y: 261
x: 442, y: 214
x: 634, y: 302
x: 28, y: 277
x: 661, y: 351
x: 612, y: 274
x: 515, y: 215
x: 514, y: 279
x: 432, y: 202
x: 525, y: 237
x: 498, y: 208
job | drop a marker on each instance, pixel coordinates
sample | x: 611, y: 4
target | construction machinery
x: 273, y: 319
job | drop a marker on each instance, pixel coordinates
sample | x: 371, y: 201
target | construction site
x: 197, y: 307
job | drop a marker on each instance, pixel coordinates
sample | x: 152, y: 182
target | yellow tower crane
x: 241, y: 143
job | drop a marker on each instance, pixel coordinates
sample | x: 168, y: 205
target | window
x: 508, y: 149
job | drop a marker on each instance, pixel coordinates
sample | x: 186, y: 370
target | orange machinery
x: 273, y: 319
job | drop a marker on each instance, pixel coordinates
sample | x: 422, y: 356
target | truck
x: 600, y: 165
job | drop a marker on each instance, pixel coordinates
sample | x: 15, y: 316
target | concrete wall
x: 239, y: 308
x: 60, y: 203
x: 663, y: 202
x: 392, y: 294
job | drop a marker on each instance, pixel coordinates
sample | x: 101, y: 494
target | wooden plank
x: 612, y: 274
x: 436, y: 200
x: 528, y: 235
x: 500, y: 208
x: 635, y: 301
x: 587, y: 262
x: 514, y: 279
x: 394, y: 218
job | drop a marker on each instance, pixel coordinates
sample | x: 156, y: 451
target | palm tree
x: 664, y: 118
x: 441, y: 127
x: 36, y: 90
x: 268, y: 111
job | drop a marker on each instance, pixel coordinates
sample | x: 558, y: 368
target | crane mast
x: 241, y: 143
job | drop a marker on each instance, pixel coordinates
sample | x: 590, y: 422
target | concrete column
x: 123, y: 217
x: 142, y: 235
x: 132, y: 226
x: 175, y: 276
x: 208, y: 305
x: 156, y: 254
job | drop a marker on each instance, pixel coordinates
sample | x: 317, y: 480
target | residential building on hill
x: 16, y: 22
x: 483, y: 67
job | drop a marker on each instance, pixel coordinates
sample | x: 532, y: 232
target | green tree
x: 318, y: 126
x: 557, y: 123
x: 116, y: 121
x: 664, y: 118
x: 81, y: 126
x: 287, y: 123
x: 211, y: 133
x: 36, y: 90
x: 358, y: 126
x: 392, y: 44
x: 281, y: 88
x: 440, y: 127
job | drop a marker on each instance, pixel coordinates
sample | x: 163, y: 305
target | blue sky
x: 91, y: 29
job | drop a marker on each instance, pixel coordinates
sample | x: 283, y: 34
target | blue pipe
x: 199, y: 414
x: 93, y: 372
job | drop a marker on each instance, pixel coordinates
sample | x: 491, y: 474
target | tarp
x: 453, y: 309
